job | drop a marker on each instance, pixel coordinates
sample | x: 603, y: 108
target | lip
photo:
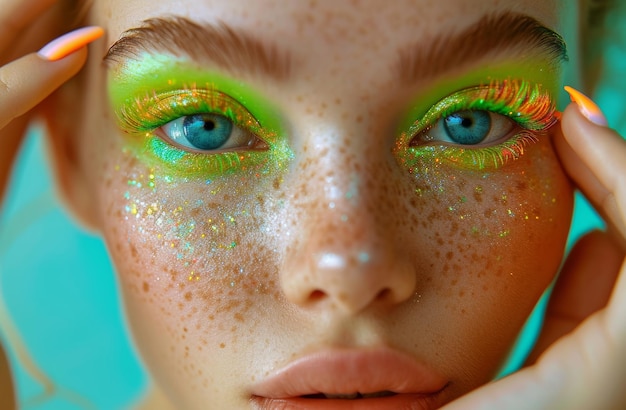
x: 346, y: 371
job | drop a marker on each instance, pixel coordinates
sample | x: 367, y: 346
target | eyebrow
x: 226, y: 47
x: 507, y: 33
x: 237, y: 51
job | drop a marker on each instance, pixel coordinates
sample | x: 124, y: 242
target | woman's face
x: 333, y: 198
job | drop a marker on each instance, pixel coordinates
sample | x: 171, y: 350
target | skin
x: 431, y: 282
x: 455, y: 257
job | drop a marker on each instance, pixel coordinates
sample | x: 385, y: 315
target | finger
x: 524, y: 390
x: 583, y: 287
x: 7, y: 390
x: 16, y: 15
x: 616, y: 311
x: 595, y: 158
x: 11, y: 137
x: 24, y: 83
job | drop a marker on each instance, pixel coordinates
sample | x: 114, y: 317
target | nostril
x: 317, y: 295
x: 384, y: 294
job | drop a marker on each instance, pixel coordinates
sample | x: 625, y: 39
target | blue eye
x: 467, y: 127
x: 206, y: 132
x: 470, y: 127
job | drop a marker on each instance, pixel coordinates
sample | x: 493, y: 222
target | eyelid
x: 528, y: 104
x: 140, y: 116
x: 153, y: 111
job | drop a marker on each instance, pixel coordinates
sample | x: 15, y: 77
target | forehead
x: 336, y: 29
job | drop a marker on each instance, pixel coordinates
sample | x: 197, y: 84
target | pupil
x: 467, y: 122
x: 209, y: 125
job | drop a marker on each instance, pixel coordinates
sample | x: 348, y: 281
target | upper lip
x: 347, y: 371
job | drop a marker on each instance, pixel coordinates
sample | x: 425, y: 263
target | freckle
x: 188, y: 296
x: 485, y: 287
x: 276, y: 183
x: 146, y: 287
x: 449, y: 255
x: 359, y: 119
x: 238, y: 317
x: 222, y: 345
x: 461, y: 293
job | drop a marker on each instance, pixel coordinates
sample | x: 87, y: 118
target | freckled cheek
x: 487, y: 244
x: 193, y: 263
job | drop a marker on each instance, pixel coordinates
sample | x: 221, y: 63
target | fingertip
x: 576, y: 127
x: 587, y: 107
x: 70, y: 43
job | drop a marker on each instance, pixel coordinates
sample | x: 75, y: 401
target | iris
x: 468, y: 127
x: 207, y: 131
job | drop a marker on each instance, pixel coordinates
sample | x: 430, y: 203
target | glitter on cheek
x: 492, y: 202
x: 195, y: 223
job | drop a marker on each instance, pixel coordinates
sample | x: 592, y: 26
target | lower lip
x: 397, y: 402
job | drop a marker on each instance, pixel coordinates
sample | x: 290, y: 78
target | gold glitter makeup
x: 526, y: 104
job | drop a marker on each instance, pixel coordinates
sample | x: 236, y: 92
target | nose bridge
x: 346, y: 253
x: 345, y: 176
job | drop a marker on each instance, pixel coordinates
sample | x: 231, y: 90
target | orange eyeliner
x: 70, y: 42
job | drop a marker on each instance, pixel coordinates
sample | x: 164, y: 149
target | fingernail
x: 70, y: 42
x: 587, y: 107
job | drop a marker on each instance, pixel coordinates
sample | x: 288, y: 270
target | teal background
x: 59, y: 289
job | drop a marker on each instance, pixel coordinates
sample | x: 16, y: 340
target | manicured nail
x: 587, y: 107
x: 70, y: 42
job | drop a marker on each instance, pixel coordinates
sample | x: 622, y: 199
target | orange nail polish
x: 70, y: 42
x: 587, y: 107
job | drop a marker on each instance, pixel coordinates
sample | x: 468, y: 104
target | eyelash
x: 527, y: 104
x: 145, y: 115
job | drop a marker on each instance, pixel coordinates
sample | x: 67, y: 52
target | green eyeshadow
x: 154, y: 90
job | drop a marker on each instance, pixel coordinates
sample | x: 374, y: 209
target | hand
x: 28, y: 80
x: 24, y: 84
x: 579, y: 361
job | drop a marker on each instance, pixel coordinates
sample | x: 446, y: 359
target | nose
x: 348, y: 254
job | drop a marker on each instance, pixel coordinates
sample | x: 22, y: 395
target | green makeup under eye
x: 527, y: 104
x: 161, y: 90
